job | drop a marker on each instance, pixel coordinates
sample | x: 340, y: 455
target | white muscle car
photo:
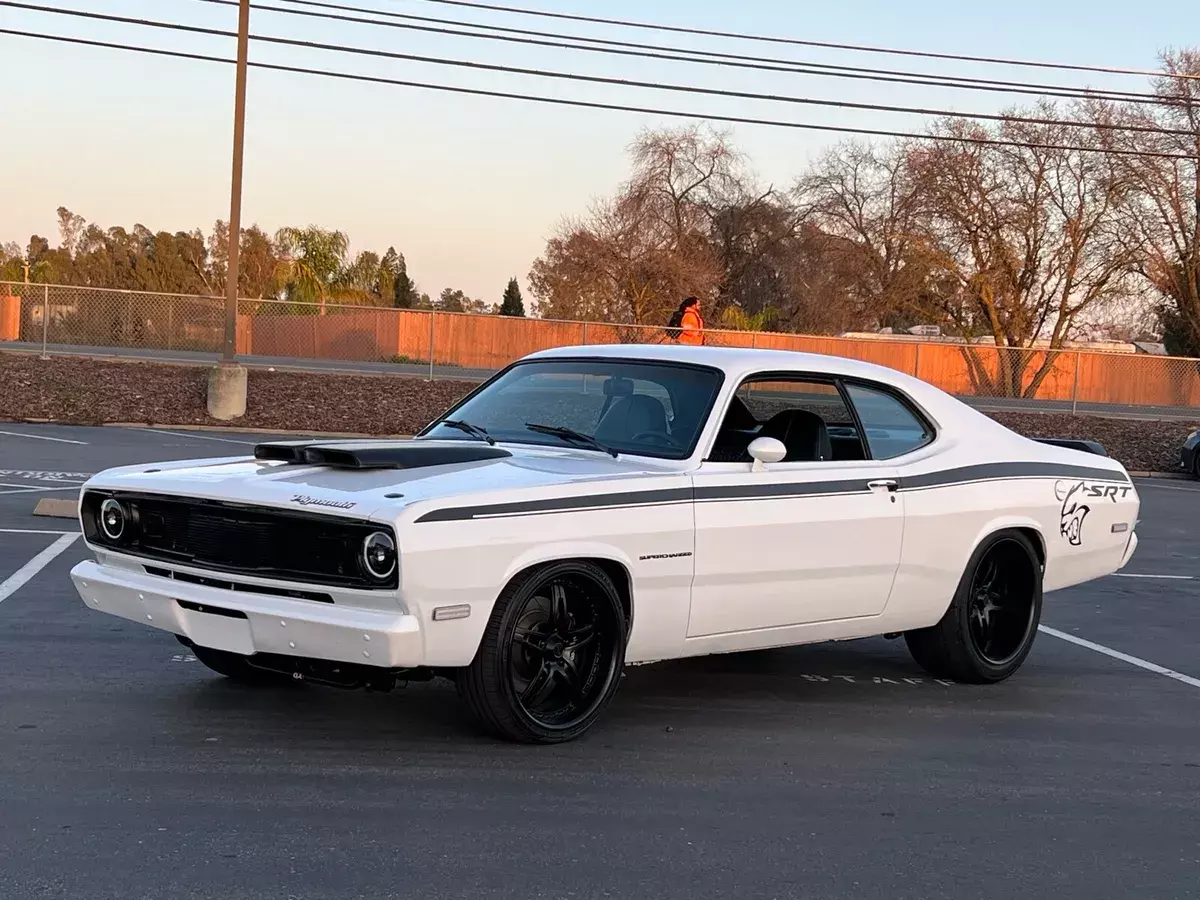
x: 594, y: 507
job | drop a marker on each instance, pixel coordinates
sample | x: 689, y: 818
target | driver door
x: 804, y: 540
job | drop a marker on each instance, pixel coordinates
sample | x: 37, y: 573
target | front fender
x: 553, y: 552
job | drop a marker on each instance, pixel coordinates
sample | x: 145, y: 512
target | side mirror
x: 765, y: 450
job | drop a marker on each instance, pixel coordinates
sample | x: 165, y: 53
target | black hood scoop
x: 377, y: 454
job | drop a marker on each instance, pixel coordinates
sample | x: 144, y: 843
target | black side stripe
x: 726, y: 492
x: 560, y: 504
x: 996, y: 471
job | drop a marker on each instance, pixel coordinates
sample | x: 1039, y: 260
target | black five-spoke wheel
x: 551, y: 656
x: 990, y: 626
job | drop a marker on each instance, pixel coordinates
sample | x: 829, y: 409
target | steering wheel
x: 657, y: 437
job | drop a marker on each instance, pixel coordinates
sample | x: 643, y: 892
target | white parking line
x: 1169, y: 487
x: 1172, y: 577
x: 42, y: 437
x: 199, y: 437
x: 33, y: 531
x: 33, y: 488
x: 1124, y: 657
x: 15, y: 581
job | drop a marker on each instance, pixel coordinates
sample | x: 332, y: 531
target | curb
x: 1170, y: 476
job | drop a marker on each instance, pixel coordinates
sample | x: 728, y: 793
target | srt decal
x: 305, y: 500
x: 1074, y: 509
x: 1070, y: 523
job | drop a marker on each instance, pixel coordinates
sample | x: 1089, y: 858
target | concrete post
x: 227, y: 391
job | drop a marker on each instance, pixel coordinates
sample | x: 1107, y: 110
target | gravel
x: 92, y: 392
x: 80, y: 391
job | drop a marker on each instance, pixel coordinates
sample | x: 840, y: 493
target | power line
x: 598, y: 79
x: 588, y: 104
x: 797, y: 42
x: 699, y: 57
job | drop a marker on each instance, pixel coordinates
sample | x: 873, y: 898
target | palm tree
x: 313, y: 262
x: 737, y: 319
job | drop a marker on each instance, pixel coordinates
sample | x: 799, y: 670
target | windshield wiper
x: 570, y: 434
x: 473, y: 430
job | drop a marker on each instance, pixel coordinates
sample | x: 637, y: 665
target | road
x: 836, y: 771
x: 355, y: 367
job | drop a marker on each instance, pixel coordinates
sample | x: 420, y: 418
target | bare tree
x: 1161, y: 224
x: 1027, y: 233
x: 634, y: 257
x: 865, y: 198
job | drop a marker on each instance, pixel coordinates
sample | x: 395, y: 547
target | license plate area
x: 216, y: 627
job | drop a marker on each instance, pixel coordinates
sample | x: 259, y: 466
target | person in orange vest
x: 686, y: 324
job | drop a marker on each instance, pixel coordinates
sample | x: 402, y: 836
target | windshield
x: 626, y: 406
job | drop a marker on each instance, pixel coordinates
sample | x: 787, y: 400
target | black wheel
x: 989, y: 628
x: 551, y: 656
x: 1196, y: 463
x: 237, y: 667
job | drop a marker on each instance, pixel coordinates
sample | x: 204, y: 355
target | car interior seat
x: 802, y: 432
x: 630, y: 415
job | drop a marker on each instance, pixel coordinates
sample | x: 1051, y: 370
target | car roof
x: 740, y: 362
x: 734, y: 361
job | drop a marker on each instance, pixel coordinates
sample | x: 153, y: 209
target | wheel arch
x: 610, y: 560
x: 1030, y: 528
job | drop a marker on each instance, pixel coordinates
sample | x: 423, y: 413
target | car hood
x: 379, y: 493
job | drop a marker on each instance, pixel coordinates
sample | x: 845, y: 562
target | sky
x: 470, y: 188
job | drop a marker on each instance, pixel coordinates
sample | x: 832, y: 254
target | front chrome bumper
x: 253, y: 623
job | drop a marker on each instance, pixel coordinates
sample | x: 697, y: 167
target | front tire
x: 989, y: 629
x: 551, y: 656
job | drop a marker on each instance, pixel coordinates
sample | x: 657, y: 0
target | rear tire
x: 237, y: 667
x: 989, y: 629
x: 551, y: 657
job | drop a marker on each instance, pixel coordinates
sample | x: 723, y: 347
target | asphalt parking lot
x: 128, y: 770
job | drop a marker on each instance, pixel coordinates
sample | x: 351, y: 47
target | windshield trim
x: 677, y: 456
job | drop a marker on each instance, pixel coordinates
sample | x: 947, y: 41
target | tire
x: 551, y: 657
x: 989, y: 629
x: 237, y: 667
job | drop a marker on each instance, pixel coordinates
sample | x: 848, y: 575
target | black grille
x: 235, y: 538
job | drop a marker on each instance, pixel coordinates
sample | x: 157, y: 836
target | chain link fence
x: 57, y: 318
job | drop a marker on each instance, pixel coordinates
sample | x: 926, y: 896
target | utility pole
x: 235, y: 192
x: 227, y: 380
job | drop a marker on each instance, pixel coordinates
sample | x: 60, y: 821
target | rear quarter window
x: 892, y: 428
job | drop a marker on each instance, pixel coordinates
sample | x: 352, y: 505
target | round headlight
x: 379, y: 555
x: 112, y: 519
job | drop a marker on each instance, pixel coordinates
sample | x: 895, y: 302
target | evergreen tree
x: 404, y: 292
x: 389, y: 268
x: 512, y: 304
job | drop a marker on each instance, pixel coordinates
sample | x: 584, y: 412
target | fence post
x: 431, y: 317
x: 45, y: 320
x: 917, y: 362
x: 1075, y: 389
x: 585, y: 332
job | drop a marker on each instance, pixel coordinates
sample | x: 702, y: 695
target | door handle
x: 888, y: 483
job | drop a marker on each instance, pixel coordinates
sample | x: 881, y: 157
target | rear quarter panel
x: 1079, y: 509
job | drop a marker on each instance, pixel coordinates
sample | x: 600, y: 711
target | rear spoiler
x: 1073, y: 444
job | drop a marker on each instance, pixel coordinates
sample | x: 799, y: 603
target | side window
x: 809, y: 417
x: 766, y: 399
x: 892, y: 429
